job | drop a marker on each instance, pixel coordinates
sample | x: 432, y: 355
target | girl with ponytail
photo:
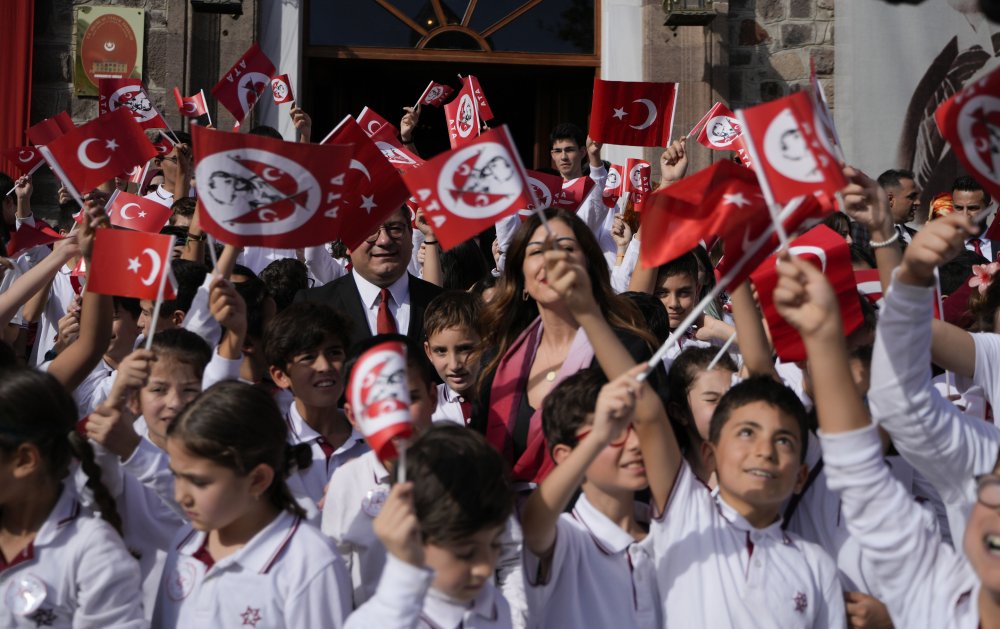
x: 59, y: 566
x: 249, y: 556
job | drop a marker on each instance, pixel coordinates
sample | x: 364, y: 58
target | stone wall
x: 770, y: 45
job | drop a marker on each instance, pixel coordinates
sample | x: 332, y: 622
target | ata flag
x: 131, y: 95
x: 435, y: 94
x: 462, y: 116
x: 239, y: 89
x: 281, y: 89
x: 970, y: 121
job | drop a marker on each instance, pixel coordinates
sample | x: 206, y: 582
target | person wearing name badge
x: 451, y: 325
x: 248, y: 556
x: 59, y: 565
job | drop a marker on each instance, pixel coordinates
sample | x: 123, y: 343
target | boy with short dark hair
x: 451, y: 327
x: 442, y: 530
x: 305, y: 347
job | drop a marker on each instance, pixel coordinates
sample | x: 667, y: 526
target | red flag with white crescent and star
x: 435, y: 94
x: 27, y: 159
x: 191, y: 106
x: 49, y: 129
x: 281, y: 89
x: 164, y: 144
x: 632, y: 114
x: 99, y: 150
x: 239, y: 89
x: 970, y: 121
x: 637, y: 180
x: 259, y: 191
x: 826, y: 249
x: 462, y: 116
x: 791, y: 155
x: 870, y: 285
x: 467, y: 190
x: 375, y: 126
x: 131, y: 264
x: 373, y: 190
x: 129, y: 94
x: 130, y: 211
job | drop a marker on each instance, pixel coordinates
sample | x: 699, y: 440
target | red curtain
x: 17, y: 16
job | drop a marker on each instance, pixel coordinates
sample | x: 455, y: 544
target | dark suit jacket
x: 342, y: 294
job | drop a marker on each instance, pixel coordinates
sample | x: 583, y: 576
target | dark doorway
x: 530, y: 99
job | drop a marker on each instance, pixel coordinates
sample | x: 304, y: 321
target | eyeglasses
x: 619, y: 440
x: 988, y: 490
x: 392, y: 230
x: 159, y: 159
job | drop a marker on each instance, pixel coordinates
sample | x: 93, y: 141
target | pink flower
x: 982, y: 276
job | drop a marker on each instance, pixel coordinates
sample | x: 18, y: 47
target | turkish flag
x: 632, y: 114
x: 721, y: 131
x: 258, y: 191
x: 51, y: 128
x: 99, y: 150
x: 462, y: 116
x: 483, y: 108
x: 970, y: 121
x: 281, y: 89
x: 827, y: 250
x: 573, y: 193
x: 191, y: 106
x: 373, y: 189
x: 375, y: 126
x: 164, y: 144
x: 435, y: 94
x: 239, y: 89
x: 131, y: 95
x: 131, y: 264
x: 138, y: 213
x: 791, y: 157
x: 638, y: 176
x: 28, y: 236
x: 869, y: 284
x: 467, y: 190
x: 614, y: 185
x: 26, y: 158
x: 723, y: 200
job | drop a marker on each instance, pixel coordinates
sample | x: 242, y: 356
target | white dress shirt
x: 399, y: 307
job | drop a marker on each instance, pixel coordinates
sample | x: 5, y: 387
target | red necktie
x: 384, y: 322
x: 978, y: 246
x: 325, y: 446
x: 466, y: 410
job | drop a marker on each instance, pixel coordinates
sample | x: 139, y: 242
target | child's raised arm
x: 36, y: 278
x: 750, y: 335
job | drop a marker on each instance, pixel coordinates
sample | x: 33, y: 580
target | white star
x: 368, y: 202
x: 111, y: 145
x: 142, y: 215
x: 735, y: 199
x: 133, y: 264
x: 619, y: 113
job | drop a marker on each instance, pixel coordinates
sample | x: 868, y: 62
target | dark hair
x: 966, y: 183
x: 685, y: 264
x: 689, y: 364
x: 129, y: 305
x: 8, y: 358
x: 653, y: 312
x: 283, y: 278
x: 484, y: 284
x: 266, y: 131
x: 462, y: 265
x: 984, y: 306
x: 840, y: 223
x: 64, y: 216
x: 239, y: 427
x: 190, y: 276
x: 303, y: 327
x: 956, y: 271
x: 416, y: 359
x: 36, y: 409
x: 254, y: 294
x: 761, y: 389
x: 453, y: 309
x: 185, y: 206
x: 567, y: 405
x: 460, y: 484
x: 183, y: 137
x: 891, y: 178
x: 183, y: 346
x: 568, y: 131
x: 860, y: 253
x: 508, y: 314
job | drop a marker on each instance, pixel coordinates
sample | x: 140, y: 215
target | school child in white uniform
x: 451, y: 327
x: 594, y: 565
x: 59, y: 565
x: 305, y: 346
x: 442, y: 530
x: 249, y: 557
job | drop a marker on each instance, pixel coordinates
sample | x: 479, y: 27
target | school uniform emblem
x: 251, y: 616
x: 801, y: 602
x: 373, y: 501
x: 181, y: 582
x: 25, y: 594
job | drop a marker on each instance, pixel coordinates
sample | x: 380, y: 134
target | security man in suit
x: 969, y: 198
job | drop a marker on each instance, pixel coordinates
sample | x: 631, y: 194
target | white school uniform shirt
x: 404, y: 598
x: 61, y: 295
x: 356, y: 493
x: 947, y: 447
x: 161, y: 195
x: 714, y: 569
x: 600, y: 576
x: 399, y: 307
x: 449, y: 406
x: 922, y: 580
x: 80, y: 565
x: 287, y: 575
x: 84, y: 393
x: 322, y: 266
x: 621, y: 274
x: 311, y: 482
x: 257, y: 258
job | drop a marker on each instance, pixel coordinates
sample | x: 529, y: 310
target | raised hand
x: 94, y: 218
x: 409, y: 123
x: 302, y: 122
x: 110, y: 427
x: 397, y: 526
x: 621, y: 233
x: 569, y: 279
x: 936, y: 243
x: 673, y: 162
x: 23, y: 187
x: 227, y: 306
x: 805, y: 298
x: 615, y: 407
x: 133, y: 373
x: 867, y: 203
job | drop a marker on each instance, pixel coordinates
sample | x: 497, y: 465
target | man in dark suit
x: 378, y: 294
x: 968, y: 197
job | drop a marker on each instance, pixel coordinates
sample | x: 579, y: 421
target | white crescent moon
x: 81, y: 154
x: 190, y: 107
x: 22, y: 159
x: 356, y: 165
x: 650, y: 113
x: 378, y: 126
x: 155, y: 259
x: 270, y: 177
x: 267, y: 212
x: 126, y: 207
x: 816, y: 251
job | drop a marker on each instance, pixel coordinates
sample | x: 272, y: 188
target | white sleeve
x: 940, y: 442
x: 107, y: 581
x: 510, y: 574
x: 323, y: 601
x: 198, y: 318
x: 151, y: 467
x: 219, y: 369
x: 621, y: 275
x: 593, y: 211
x: 506, y: 227
x: 398, y: 600
x: 898, y: 537
x: 321, y: 265
x: 987, y: 372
